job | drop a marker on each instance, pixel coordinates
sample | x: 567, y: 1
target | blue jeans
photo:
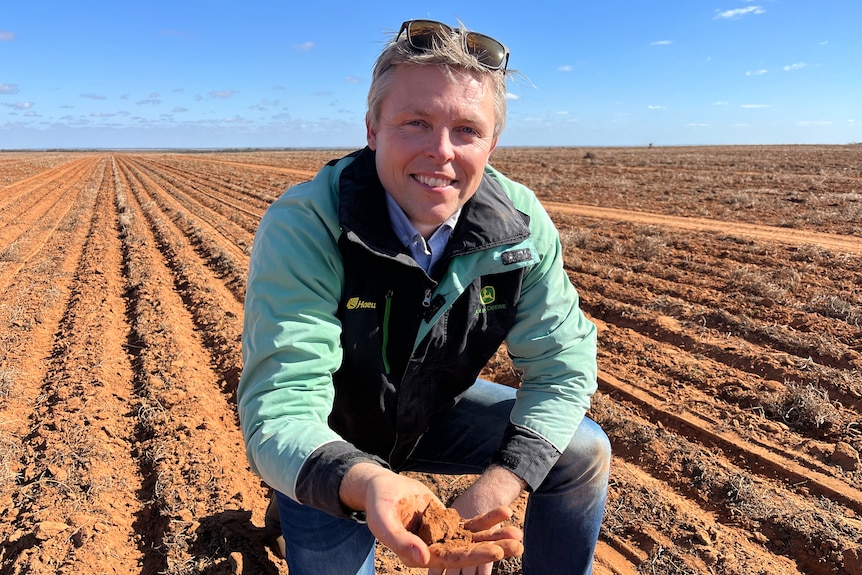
x: 563, y: 516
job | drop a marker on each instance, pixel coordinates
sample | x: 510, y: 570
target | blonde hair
x: 449, y: 55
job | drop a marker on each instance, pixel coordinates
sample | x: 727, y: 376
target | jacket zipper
x: 386, y: 311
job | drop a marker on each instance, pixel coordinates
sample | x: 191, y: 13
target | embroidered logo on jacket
x: 356, y: 303
x: 488, y: 295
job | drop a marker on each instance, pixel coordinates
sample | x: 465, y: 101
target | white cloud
x: 223, y: 94
x: 353, y: 80
x: 6, y: 36
x: 8, y: 88
x: 511, y: 96
x: 797, y: 66
x: 565, y: 68
x: 652, y: 107
x: 739, y: 13
x: 661, y: 43
x: 756, y: 72
x: 92, y: 96
x: 20, y: 105
x: 721, y: 103
x: 304, y: 47
x: 179, y: 110
x: 235, y: 119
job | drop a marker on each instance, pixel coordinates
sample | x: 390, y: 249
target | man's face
x: 433, y: 139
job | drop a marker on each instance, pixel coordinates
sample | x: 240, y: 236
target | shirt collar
x: 425, y: 253
x: 404, y: 229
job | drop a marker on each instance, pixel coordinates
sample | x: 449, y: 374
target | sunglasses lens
x: 425, y: 34
x: 422, y: 34
x: 488, y: 51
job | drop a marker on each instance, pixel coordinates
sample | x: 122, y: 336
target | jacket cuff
x: 321, y: 474
x: 527, y: 455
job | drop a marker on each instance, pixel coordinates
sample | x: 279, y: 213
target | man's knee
x: 588, y: 456
x: 595, y: 441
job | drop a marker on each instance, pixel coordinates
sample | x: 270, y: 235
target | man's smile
x: 433, y: 182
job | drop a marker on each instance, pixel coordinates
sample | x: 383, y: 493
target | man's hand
x: 497, y: 488
x: 393, y: 506
x: 490, y: 543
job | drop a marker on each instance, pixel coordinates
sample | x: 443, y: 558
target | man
x: 376, y: 294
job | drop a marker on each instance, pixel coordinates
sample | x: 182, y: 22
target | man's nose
x: 440, y: 145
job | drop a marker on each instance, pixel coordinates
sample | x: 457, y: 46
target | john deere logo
x: 487, y: 295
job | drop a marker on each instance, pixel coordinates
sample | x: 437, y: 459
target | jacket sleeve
x: 291, y: 346
x: 555, y: 346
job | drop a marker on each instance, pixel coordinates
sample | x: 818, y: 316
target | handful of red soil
x: 443, y: 525
x: 453, y: 545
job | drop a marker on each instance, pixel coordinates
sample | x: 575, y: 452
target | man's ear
x: 370, y: 133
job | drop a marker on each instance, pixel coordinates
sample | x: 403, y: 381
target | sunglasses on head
x: 422, y: 34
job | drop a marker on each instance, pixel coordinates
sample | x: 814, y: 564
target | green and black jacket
x: 351, y: 349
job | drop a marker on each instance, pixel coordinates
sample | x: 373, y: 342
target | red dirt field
x: 726, y: 283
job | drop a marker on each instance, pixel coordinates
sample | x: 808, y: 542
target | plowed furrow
x: 18, y: 197
x: 208, y: 203
x: 747, y: 410
x: 223, y: 256
x: 762, y: 457
x: 734, y: 495
x: 303, y: 174
x: 197, y: 495
x: 837, y: 243
x: 36, y: 305
x: 697, y: 542
x: 34, y: 215
x: 214, y: 309
x: 781, y: 363
x: 19, y: 166
x: 255, y: 182
x: 619, y: 305
x: 772, y: 285
x: 83, y: 424
x: 239, y: 189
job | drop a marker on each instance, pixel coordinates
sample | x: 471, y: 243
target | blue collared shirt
x: 425, y: 253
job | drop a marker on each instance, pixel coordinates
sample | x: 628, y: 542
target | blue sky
x: 119, y: 74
